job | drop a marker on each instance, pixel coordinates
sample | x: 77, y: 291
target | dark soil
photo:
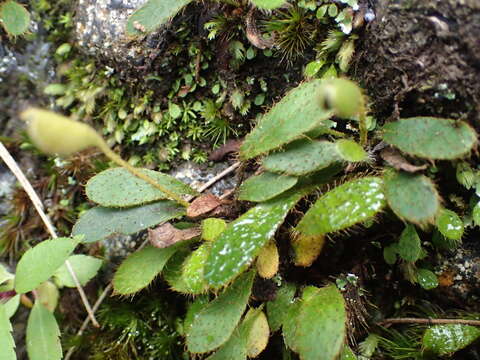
x: 422, y: 58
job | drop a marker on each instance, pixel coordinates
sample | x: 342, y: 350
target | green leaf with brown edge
x: 265, y: 186
x: 431, y: 138
x: 41, y: 262
x: 318, y: 328
x: 450, y: 224
x: 7, y: 344
x: 282, y: 124
x: 43, y: 335
x: 152, y: 15
x: 302, y: 157
x: 241, y: 242
x: 119, y: 188
x: 412, y: 197
x: 139, y: 269
x: 214, y: 323
x: 348, y: 204
x: 447, y: 339
x: 100, y: 222
x: 14, y: 18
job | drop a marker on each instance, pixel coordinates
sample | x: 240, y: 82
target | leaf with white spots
x: 450, y: 224
x: 446, y: 339
x: 348, y: 204
x: 243, y: 239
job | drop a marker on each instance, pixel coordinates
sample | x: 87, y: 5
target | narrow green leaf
x: 243, y: 239
x: 450, y: 224
x: 347, y: 354
x: 350, y: 151
x: 447, y: 339
x: 140, y: 268
x: 7, y: 344
x: 302, y: 157
x: 278, y: 308
x: 99, y: 223
x: 431, y: 138
x: 268, y: 4
x: 14, y: 18
x: 412, y: 197
x: 119, y: 188
x: 265, y: 186
x: 351, y: 203
x: 282, y: 124
x: 41, y: 262
x: 319, y: 328
x: 85, y: 267
x: 152, y: 15
x: 409, y: 247
x: 215, y: 323
x: 43, y: 335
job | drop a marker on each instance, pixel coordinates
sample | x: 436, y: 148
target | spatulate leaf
x: 431, y: 138
x: 215, y: 323
x: 119, y: 188
x: 41, y: 262
x: 100, y: 222
x: 265, y: 186
x: 43, y: 335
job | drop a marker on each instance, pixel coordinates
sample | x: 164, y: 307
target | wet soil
x: 422, y: 58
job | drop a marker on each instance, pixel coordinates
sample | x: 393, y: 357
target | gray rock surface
x: 100, y: 31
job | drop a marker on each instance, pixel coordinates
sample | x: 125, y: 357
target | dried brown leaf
x: 203, y: 205
x: 166, y: 235
x: 395, y: 159
x: 231, y: 146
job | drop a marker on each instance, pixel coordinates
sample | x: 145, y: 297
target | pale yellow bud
x: 56, y: 134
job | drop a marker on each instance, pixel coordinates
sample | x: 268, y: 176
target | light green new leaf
x: 447, y: 339
x: 409, y: 246
x: 41, y: 262
x: 350, y: 151
x: 215, y: 323
x: 268, y: 4
x: 99, y: 223
x: 85, y: 267
x: 14, y: 18
x: 412, y: 197
x: 431, y: 138
x: 265, y: 186
x: 119, y: 188
x: 282, y: 124
x: 318, y: 328
x: 243, y: 239
x: 152, y: 15
x: 302, y: 157
x: 351, y: 203
x: 7, y: 344
x: 449, y: 224
x: 43, y: 335
x: 11, y: 305
x: 212, y: 228
x: 140, y: 268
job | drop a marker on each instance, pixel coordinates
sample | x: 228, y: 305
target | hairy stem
x: 117, y: 159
